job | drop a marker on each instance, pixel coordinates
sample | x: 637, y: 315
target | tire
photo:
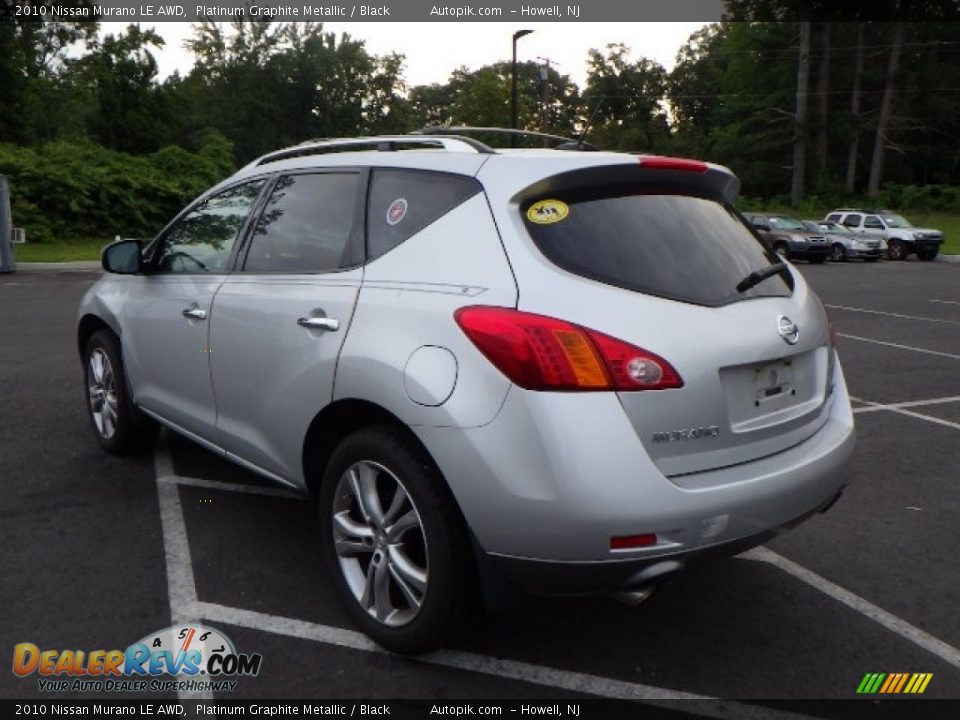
x: 411, y: 591
x: 927, y: 254
x: 897, y: 250
x: 782, y: 250
x: 838, y: 253
x: 119, y: 426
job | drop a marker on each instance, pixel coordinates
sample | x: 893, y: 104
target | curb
x: 73, y: 266
x: 948, y: 258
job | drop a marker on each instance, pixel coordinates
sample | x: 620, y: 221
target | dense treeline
x: 830, y: 110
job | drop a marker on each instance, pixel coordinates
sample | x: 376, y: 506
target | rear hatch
x: 654, y: 257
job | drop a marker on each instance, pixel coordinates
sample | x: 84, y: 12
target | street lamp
x: 513, y: 79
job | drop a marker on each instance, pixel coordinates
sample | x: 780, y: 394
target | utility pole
x: 513, y: 81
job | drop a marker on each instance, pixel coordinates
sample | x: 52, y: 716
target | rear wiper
x: 758, y: 276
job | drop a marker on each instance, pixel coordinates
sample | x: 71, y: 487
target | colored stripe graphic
x: 894, y: 683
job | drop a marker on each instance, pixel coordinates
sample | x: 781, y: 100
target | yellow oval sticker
x: 547, y: 212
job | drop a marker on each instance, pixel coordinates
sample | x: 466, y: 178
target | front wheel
x: 120, y: 427
x: 782, y: 250
x: 897, y: 250
x: 396, y: 542
x: 838, y: 253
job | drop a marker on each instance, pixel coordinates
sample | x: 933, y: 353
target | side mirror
x: 124, y: 257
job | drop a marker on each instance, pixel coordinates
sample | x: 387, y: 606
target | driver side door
x: 166, y: 332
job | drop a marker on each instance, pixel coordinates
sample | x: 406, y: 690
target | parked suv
x: 790, y: 238
x: 900, y: 236
x: 561, y: 372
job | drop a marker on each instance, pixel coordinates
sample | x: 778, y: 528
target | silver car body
x: 544, y: 479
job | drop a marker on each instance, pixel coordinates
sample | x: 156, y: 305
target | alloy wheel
x: 102, y: 393
x: 382, y: 552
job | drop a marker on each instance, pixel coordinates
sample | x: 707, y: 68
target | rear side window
x: 306, y: 225
x: 852, y: 220
x: 404, y: 202
x: 685, y: 248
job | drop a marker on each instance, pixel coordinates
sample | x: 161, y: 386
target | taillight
x: 834, y: 342
x: 659, y: 162
x: 543, y: 353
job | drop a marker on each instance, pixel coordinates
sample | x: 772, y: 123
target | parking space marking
x: 487, y: 665
x: 186, y: 607
x: 910, y: 413
x: 232, y: 487
x: 899, y: 346
x: 876, y: 407
x: 181, y: 587
x: 946, y: 302
x: 891, y: 622
x: 890, y: 314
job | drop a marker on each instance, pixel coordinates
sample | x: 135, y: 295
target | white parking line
x: 181, y: 587
x: 891, y: 622
x: 486, y: 664
x: 899, y: 346
x: 890, y: 314
x: 909, y: 413
x: 876, y: 407
x: 185, y: 607
x: 237, y: 487
x: 946, y: 302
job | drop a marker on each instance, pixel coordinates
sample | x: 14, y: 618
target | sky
x: 434, y: 49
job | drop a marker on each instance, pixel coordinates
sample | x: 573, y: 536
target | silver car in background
x: 561, y: 372
x: 845, y: 244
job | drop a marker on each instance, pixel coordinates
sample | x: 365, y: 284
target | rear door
x: 659, y: 266
x: 280, y: 320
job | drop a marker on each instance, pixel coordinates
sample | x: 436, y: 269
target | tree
x: 800, y: 118
x: 883, y: 122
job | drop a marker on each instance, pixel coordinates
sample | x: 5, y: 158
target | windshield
x: 897, y: 221
x: 785, y: 223
x: 836, y: 228
x: 680, y: 247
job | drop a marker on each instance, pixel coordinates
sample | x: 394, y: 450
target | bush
x: 64, y: 190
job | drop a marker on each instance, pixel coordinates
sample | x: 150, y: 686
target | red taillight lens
x: 628, y: 542
x: 544, y: 353
x: 659, y: 162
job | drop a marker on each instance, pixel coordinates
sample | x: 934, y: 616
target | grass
x: 66, y: 251
x: 89, y: 249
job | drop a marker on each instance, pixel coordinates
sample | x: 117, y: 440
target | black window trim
x: 357, y: 240
x: 151, y: 256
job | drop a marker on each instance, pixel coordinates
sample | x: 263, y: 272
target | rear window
x: 675, y: 246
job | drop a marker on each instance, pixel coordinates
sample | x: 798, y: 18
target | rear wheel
x: 897, y: 250
x: 120, y: 427
x: 928, y: 254
x: 396, y: 542
x: 838, y: 253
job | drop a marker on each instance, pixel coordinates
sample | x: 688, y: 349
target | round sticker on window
x: 547, y: 212
x: 397, y: 211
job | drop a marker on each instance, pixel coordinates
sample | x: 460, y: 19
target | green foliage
x: 73, y: 190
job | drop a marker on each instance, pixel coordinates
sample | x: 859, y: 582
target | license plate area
x: 773, y: 381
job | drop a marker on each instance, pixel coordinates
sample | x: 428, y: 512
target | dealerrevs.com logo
x: 200, y: 658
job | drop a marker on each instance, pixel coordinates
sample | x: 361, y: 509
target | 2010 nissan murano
x: 574, y: 372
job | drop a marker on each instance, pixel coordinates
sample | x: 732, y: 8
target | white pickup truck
x: 901, y: 237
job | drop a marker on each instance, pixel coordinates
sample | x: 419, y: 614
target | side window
x: 835, y: 217
x: 404, y: 202
x: 202, y: 240
x: 872, y: 221
x: 306, y: 225
x: 852, y: 220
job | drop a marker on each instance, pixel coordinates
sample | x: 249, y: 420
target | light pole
x: 513, y: 80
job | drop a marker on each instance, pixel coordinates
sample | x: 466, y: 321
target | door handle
x: 195, y: 313
x: 319, y: 323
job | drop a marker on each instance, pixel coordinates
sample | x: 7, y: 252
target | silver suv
x: 895, y: 231
x: 561, y: 372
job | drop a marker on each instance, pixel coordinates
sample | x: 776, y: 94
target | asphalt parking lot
x: 99, y: 551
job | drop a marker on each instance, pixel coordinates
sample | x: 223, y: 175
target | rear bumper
x: 547, y: 484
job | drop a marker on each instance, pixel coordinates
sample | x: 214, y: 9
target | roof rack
x: 380, y: 143
x: 462, y: 130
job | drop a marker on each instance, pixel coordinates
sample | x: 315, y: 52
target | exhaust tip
x: 633, y: 598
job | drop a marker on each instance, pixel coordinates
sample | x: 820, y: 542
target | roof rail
x: 380, y: 143
x: 461, y: 130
